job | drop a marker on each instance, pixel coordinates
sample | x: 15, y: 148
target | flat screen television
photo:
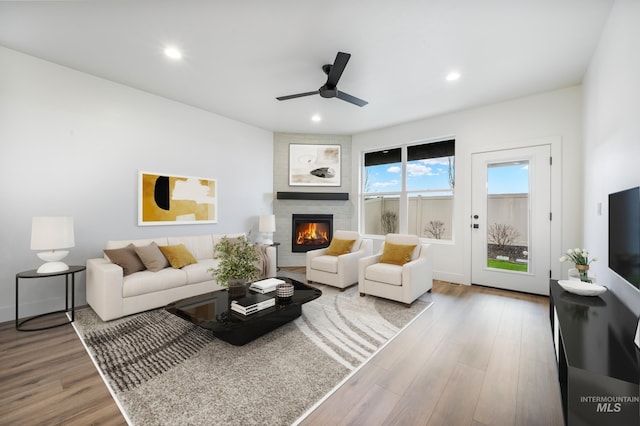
x: 624, y: 234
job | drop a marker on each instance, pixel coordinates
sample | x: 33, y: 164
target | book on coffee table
x: 250, y: 310
x: 252, y: 303
x: 266, y: 286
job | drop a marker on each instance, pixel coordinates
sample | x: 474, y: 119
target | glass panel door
x: 508, y: 215
x: 510, y: 225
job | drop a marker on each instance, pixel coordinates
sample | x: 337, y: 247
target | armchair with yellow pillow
x: 337, y: 265
x: 401, y: 271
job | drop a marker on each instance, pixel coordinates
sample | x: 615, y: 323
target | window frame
x: 403, y: 195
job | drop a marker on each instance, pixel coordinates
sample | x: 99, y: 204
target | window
x: 409, y: 189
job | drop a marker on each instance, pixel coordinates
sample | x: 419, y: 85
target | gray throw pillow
x: 153, y: 259
x: 126, y: 258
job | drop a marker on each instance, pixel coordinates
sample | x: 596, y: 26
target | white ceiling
x: 240, y: 54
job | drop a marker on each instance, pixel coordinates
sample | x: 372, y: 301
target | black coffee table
x: 211, y: 311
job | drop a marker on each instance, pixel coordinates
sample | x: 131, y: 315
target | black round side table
x: 71, y: 272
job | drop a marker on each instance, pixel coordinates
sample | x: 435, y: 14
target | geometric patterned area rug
x: 135, y: 351
x: 166, y: 371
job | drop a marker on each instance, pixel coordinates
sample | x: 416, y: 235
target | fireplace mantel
x: 339, y: 196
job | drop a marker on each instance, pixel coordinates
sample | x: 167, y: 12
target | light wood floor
x: 477, y: 357
x: 47, y: 378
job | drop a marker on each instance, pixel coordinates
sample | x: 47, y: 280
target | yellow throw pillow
x: 178, y: 255
x: 338, y: 247
x: 396, y: 254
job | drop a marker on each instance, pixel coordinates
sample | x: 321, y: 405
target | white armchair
x: 339, y: 271
x: 400, y: 282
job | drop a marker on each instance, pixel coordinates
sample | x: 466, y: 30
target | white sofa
x: 113, y: 295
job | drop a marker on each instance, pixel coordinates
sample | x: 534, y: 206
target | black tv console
x: 598, y: 363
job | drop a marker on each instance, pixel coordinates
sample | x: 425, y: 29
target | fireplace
x: 310, y: 231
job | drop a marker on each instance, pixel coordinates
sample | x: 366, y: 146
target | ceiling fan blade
x: 352, y: 99
x: 298, y: 95
x: 337, y: 68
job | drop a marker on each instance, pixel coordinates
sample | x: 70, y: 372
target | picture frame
x: 165, y: 199
x: 314, y: 165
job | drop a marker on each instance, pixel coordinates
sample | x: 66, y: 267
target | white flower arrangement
x: 581, y: 259
x: 577, y: 256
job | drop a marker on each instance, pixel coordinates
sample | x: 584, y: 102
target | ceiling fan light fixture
x: 330, y: 88
x: 453, y: 76
x: 173, y: 53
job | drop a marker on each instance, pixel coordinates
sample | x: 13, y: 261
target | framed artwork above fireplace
x: 314, y: 165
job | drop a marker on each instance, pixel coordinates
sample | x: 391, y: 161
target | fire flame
x: 311, y: 233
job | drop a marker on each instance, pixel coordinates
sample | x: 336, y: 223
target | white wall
x: 612, y: 134
x: 72, y: 144
x: 553, y: 116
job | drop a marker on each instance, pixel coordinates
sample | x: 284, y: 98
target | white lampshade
x: 52, y: 233
x: 267, y: 226
x: 267, y: 223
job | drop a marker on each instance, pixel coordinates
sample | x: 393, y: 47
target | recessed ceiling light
x: 453, y: 75
x: 173, y: 53
x: 316, y: 118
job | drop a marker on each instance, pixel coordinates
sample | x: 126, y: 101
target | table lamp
x: 267, y: 227
x: 52, y: 233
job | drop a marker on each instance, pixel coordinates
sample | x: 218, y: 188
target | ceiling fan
x: 330, y: 88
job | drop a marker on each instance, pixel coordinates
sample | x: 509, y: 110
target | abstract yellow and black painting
x: 176, y: 200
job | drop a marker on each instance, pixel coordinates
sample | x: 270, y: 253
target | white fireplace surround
x: 341, y: 209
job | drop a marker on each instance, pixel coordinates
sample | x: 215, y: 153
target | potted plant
x: 237, y: 266
x: 581, y: 259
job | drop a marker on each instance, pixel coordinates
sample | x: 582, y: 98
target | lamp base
x: 266, y: 239
x: 52, y: 259
x: 51, y: 267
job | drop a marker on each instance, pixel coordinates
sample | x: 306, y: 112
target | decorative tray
x: 582, y: 288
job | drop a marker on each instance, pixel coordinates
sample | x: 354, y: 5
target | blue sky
x: 509, y: 179
x: 422, y: 174
x: 433, y: 174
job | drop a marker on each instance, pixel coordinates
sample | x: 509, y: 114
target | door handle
x: 475, y: 226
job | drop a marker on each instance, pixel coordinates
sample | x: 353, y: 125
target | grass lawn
x: 505, y: 264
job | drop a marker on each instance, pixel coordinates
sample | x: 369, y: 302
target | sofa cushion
x: 218, y: 237
x: 199, y: 272
x: 200, y: 246
x: 113, y: 244
x: 338, y: 247
x: 126, y: 258
x: 145, y: 282
x: 385, y: 273
x: 397, y: 254
x: 178, y: 256
x: 325, y: 263
x: 152, y: 257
